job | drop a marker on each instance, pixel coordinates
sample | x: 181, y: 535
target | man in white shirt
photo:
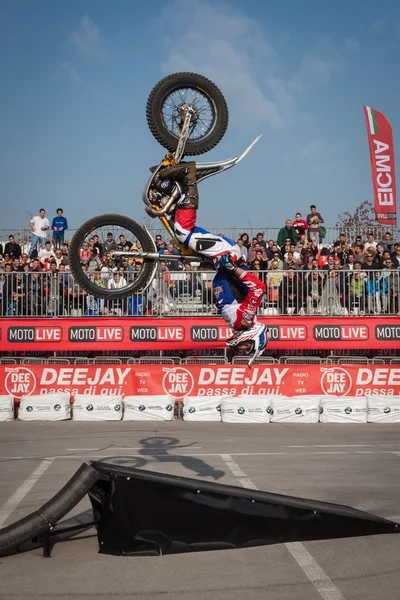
x: 39, y: 225
x: 370, y: 242
x: 47, y: 253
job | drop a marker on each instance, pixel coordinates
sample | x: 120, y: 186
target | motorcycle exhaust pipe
x: 159, y: 212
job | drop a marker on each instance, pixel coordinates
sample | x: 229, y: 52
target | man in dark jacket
x: 12, y: 248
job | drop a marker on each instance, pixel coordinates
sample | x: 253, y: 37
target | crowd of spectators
x: 302, y: 273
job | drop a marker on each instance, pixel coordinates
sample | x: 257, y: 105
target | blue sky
x: 75, y: 77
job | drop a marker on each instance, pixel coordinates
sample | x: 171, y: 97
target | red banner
x: 200, y: 380
x: 381, y: 149
x: 304, y: 333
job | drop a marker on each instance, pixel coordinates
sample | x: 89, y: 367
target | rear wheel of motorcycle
x: 211, y: 112
x: 114, y: 224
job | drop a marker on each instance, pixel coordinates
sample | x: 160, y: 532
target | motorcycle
x: 188, y: 115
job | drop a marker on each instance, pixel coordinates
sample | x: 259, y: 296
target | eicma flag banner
x: 381, y: 149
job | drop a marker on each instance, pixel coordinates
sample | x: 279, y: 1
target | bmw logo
x: 387, y: 410
x: 117, y: 407
x: 298, y: 410
x: 89, y: 407
x: 29, y: 408
x: 169, y: 407
x: 142, y: 407
x: 241, y: 410
x: 348, y: 410
x: 192, y: 409
x: 219, y: 408
x: 270, y: 410
x: 57, y: 407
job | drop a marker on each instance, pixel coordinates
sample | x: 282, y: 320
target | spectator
x: 358, y: 250
x: 61, y: 259
x: 12, y: 248
x: 314, y: 291
x: 274, y: 280
x: 314, y: 220
x: 290, y: 293
x: 46, y: 254
x: 59, y: 225
x: 255, y: 266
x: 388, y: 242
x: 330, y: 264
x: 300, y: 225
x: 16, y: 265
x: 393, y: 287
x: 341, y: 248
x: 370, y: 243
x: 357, y: 292
x: 358, y: 241
x: 295, y: 253
x: 256, y: 247
x: 39, y: 226
x: 24, y: 259
x: 84, y: 252
x: 35, y: 265
x: 395, y: 256
x: 76, y: 297
x: 246, y: 240
x: 260, y: 239
x: 93, y: 263
x: 161, y: 245
x: 349, y: 265
x: 276, y: 257
x: 7, y: 259
x: 309, y: 250
x: 377, y: 293
x: 289, y: 262
x: 370, y: 264
x: 116, y: 282
x: 287, y: 232
x: 379, y: 256
x: 268, y: 250
x: 110, y: 244
x: 172, y: 264
x: 260, y: 257
x: 98, y: 245
x: 190, y: 285
x: 243, y: 249
x: 126, y: 244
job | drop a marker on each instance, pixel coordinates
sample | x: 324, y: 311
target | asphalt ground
x: 356, y: 465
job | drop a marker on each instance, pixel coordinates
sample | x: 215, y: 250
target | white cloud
x: 232, y: 50
x: 86, y: 38
x: 318, y: 69
x: 312, y: 149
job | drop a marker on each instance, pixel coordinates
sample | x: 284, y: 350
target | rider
x: 238, y: 293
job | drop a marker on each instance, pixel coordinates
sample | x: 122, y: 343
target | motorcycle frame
x: 203, y: 171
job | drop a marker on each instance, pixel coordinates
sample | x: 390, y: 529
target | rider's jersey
x: 229, y: 293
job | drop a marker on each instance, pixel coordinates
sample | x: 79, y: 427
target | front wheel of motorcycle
x: 111, y: 277
x: 176, y: 93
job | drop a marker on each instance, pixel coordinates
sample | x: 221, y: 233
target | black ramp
x: 141, y: 512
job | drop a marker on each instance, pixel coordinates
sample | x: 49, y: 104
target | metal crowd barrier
x: 189, y: 293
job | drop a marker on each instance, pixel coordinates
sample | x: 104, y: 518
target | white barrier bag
x: 201, y: 408
x: 97, y: 408
x: 149, y: 408
x: 45, y: 407
x: 343, y: 409
x: 6, y: 408
x: 299, y: 409
x: 383, y: 409
x: 245, y: 409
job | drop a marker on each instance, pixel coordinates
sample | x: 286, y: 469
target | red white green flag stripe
x: 380, y: 138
